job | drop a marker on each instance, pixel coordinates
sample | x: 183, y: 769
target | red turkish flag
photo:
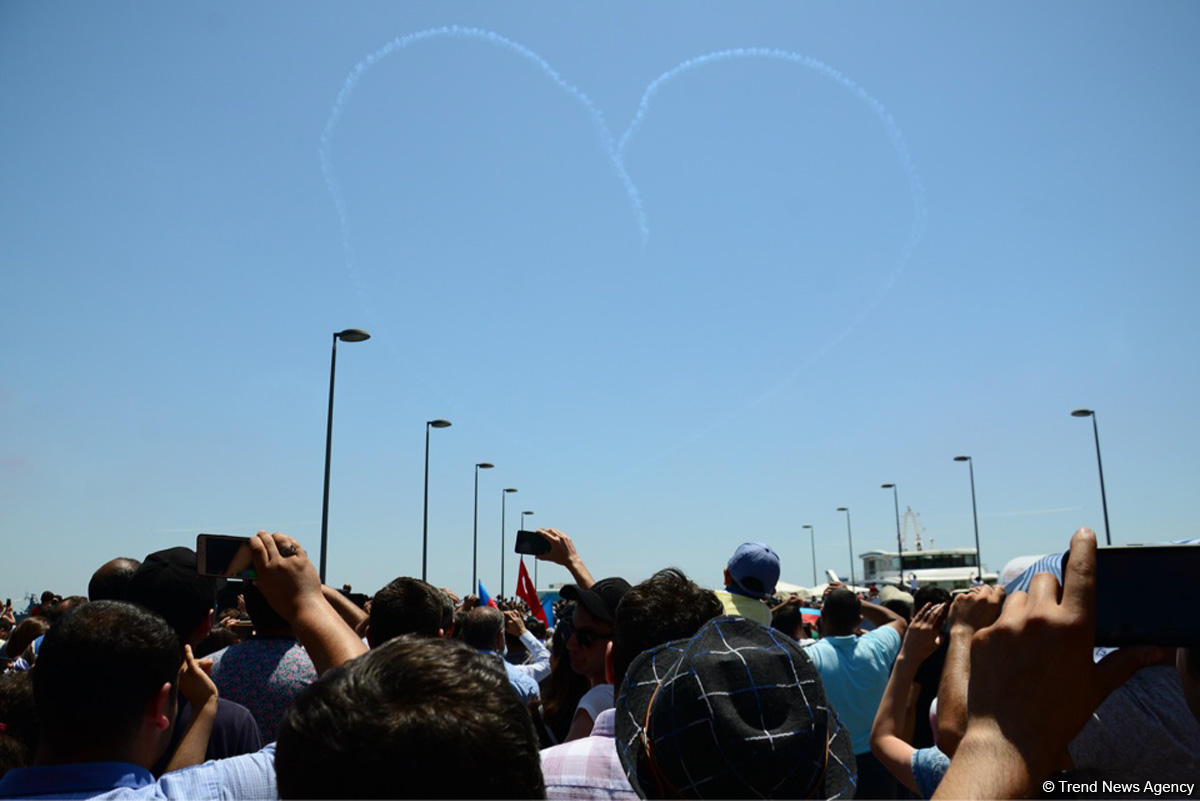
x: 528, y: 593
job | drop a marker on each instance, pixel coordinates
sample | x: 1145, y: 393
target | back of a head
x: 262, y: 615
x: 96, y: 671
x: 789, y: 619
x: 18, y: 739
x: 667, y: 606
x: 413, y: 718
x: 111, y: 580
x: 406, y: 606
x: 929, y: 594
x: 167, y: 583
x: 841, y: 611
x: 482, y: 626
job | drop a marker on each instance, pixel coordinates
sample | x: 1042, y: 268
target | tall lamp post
x: 812, y: 540
x: 974, y: 514
x: 475, y: 530
x: 850, y: 538
x: 899, y: 540
x: 349, y: 335
x: 425, y: 515
x: 503, y: 501
x: 535, y: 561
x: 1103, y: 499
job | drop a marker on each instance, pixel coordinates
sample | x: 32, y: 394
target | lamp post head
x: 352, y: 335
x: 806, y: 526
x: 438, y: 423
x: 510, y: 489
x: 526, y: 513
x: 843, y: 508
x: 1082, y: 413
x: 887, y: 486
x: 962, y: 458
x: 485, y: 465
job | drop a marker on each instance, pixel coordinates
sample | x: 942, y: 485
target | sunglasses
x: 589, y: 637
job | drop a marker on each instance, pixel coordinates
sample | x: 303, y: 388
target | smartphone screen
x: 1146, y: 595
x: 222, y: 555
x: 530, y: 542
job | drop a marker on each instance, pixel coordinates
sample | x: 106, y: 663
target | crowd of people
x: 161, y: 682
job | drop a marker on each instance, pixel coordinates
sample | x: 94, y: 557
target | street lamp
x: 1103, y: 498
x: 475, y: 530
x: 503, y: 500
x: 349, y: 335
x: 535, y: 561
x: 974, y: 514
x: 899, y: 540
x: 849, y: 537
x: 425, y: 515
x: 812, y: 540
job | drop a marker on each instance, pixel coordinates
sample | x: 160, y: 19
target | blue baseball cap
x: 754, y: 568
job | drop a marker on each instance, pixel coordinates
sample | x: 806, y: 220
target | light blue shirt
x: 527, y: 689
x: 855, y: 673
x: 249, y: 776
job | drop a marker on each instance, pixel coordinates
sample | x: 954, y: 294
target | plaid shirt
x: 588, y: 767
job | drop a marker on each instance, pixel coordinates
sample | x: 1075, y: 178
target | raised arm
x: 347, y: 609
x: 887, y: 741
x: 291, y: 585
x: 970, y: 612
x: 197, y: 687
x: 562, y: 552
x: 1033, y: 683
x: 882, y: 616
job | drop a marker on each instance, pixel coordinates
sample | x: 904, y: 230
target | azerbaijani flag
x: 484, y: 598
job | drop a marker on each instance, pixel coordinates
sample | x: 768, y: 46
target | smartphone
x: 223, y: 555
x: 833, y: 577
x: 1145, y: 595
x: 531, y: 542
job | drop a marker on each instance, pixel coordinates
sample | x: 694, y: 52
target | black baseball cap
x: 600, y: 599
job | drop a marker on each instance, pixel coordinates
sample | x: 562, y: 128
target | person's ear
x: 609, y: 672
x: 728, y: 578
x: 443, y: 633
x: 160, y: 713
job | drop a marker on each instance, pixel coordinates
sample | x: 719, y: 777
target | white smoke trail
x: 455, y: 32
x: 895, y: 135
x: 617, y: 152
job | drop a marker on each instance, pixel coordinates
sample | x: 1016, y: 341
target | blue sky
x: 904, y: 233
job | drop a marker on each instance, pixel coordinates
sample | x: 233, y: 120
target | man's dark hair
x: 167, y: 583
x: 18, y: 741
x: 841, y: 611
x: 667, y: 606
x: 261, y: 614
x: 414, y: 718
x: 97, y: 669
x: 482, y: 626
x: 788, y: 620
x: 406, y: 606
x: 929, y: 594
x: 110, y: 582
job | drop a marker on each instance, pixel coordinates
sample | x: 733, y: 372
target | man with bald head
x: 111, y: 579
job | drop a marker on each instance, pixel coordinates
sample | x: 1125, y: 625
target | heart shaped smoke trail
x: 616, y: 150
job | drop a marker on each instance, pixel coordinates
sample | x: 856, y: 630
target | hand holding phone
x: 531, y: 542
